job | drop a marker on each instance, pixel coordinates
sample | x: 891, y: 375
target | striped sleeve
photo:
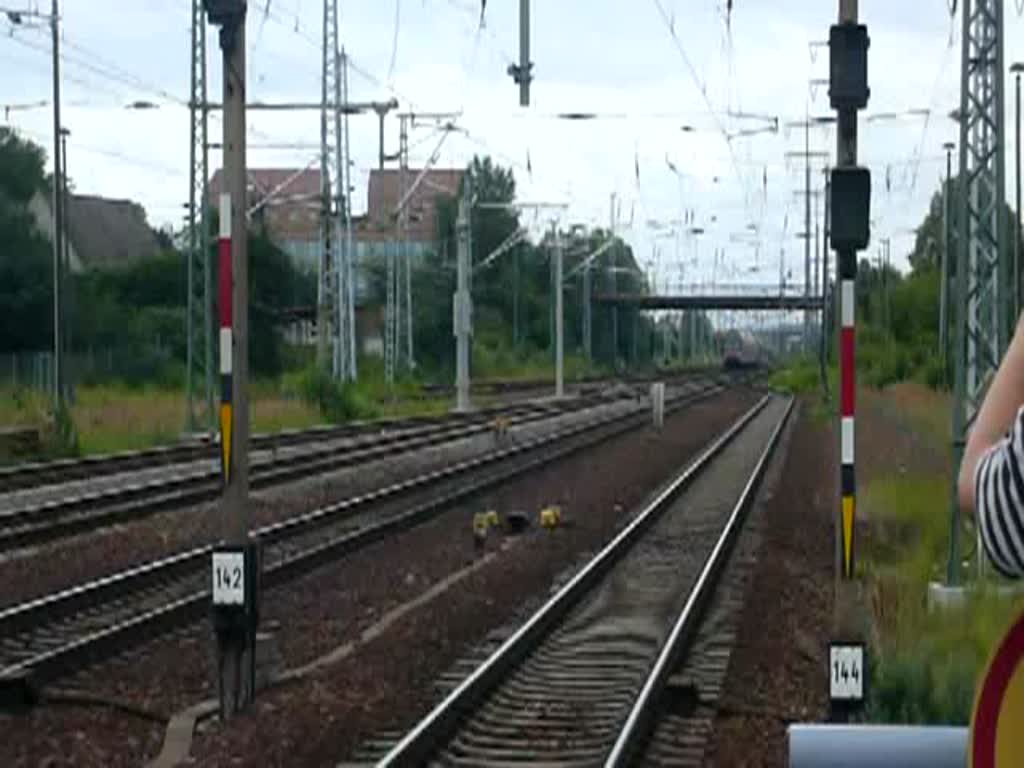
x: 999, y: 501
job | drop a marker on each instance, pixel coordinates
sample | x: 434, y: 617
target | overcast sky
x: 616, y: 58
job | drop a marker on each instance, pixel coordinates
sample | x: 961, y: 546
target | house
x: 386, y: 189
x: 286, y: 202
x: 377, y: 232
x: 103, y: 233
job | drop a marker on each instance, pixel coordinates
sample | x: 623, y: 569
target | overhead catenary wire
x: 702, y: 87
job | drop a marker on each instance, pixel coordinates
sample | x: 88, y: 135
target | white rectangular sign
x: 228, y: 578
x: 846, y: 672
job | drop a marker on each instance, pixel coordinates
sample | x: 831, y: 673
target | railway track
x: 43, y: 639
x: 35, y: 474
x: 50, y: 519
x: 579, y: 682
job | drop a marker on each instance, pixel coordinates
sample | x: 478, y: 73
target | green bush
x: 63, y: 442
x: 798, y: 378
x: 337, y: 402
x: 932, y: 374
x: 920, y: 686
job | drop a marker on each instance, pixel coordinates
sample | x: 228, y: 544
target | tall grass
x: 926, y: 660
x: 110, y: 418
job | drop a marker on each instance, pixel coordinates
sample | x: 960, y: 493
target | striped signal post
x: 849, y: 232
x: 224, y: 284
x: 848, y: 388
x: 235, y: 568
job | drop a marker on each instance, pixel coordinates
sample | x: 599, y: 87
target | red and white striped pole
x: 848, y: 389
x: 225, y: 286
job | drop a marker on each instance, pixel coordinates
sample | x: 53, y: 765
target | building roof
x: 287, y: 185
x: 109, y: 233
x: 384, y: 195
x: 289, y: 200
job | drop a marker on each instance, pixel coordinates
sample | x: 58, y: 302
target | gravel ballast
x: 388, y: 681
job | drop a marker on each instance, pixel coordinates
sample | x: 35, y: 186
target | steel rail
x: 644, y: 712
x: 438, y: 726
x: 56, y: 519
x: 79, y: 651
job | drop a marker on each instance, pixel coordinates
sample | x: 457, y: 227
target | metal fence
x: 27, y: 370
x: 35, y: 370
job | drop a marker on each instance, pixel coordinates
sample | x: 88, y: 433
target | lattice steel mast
x: 983, y: 299
x: 199, y: 355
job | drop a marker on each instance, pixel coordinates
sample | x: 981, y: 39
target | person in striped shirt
x: 991, y: 480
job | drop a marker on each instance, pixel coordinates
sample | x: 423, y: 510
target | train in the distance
x: 741, y: 349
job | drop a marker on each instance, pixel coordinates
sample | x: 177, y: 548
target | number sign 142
x: 228, y: 578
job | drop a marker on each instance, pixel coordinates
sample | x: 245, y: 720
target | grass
x: 926, y: 661
x: 117, y: 418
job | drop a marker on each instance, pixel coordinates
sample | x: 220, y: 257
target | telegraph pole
x: 326, y: 263
x: 807, y: 230
x: 588, y: 330
x: 339, y: 289
x: 944, y: 262
x: 462, y: 301
x: 613, y: 279
x: 515, y: 296
x: 522, y: 73
x: 825, y: 327
x: 66, y: 302
x: 349, y: 270
x: 58, y: 219
x: 559, y: 341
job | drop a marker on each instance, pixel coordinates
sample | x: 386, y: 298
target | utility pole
x: 522, y: 73
x: 407, y: 260
x: 463, y: 301
x: 559, y: 341
x: 944, y: 261
x: 339, y: 242
x: 983, y: 273
x: 588, y: 315
x: 515, y: 296
x: 807, y: 156
x: 883, y: 283
x: 613, y: 279
x: 199, y: 305
x: 58, y: 219
x: 235, y: 562
x: 326, y: 263
x: 825, y: 325
x: 393, y: 308
x: 395, y: 261
x: 349, y: 268
x: 335, y: 294
x: 807, y: 231
x: 67, y: 306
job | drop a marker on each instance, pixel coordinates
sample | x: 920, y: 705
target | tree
x: 517, y: 283
x: 930, y: 239
x: 26, y: 272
